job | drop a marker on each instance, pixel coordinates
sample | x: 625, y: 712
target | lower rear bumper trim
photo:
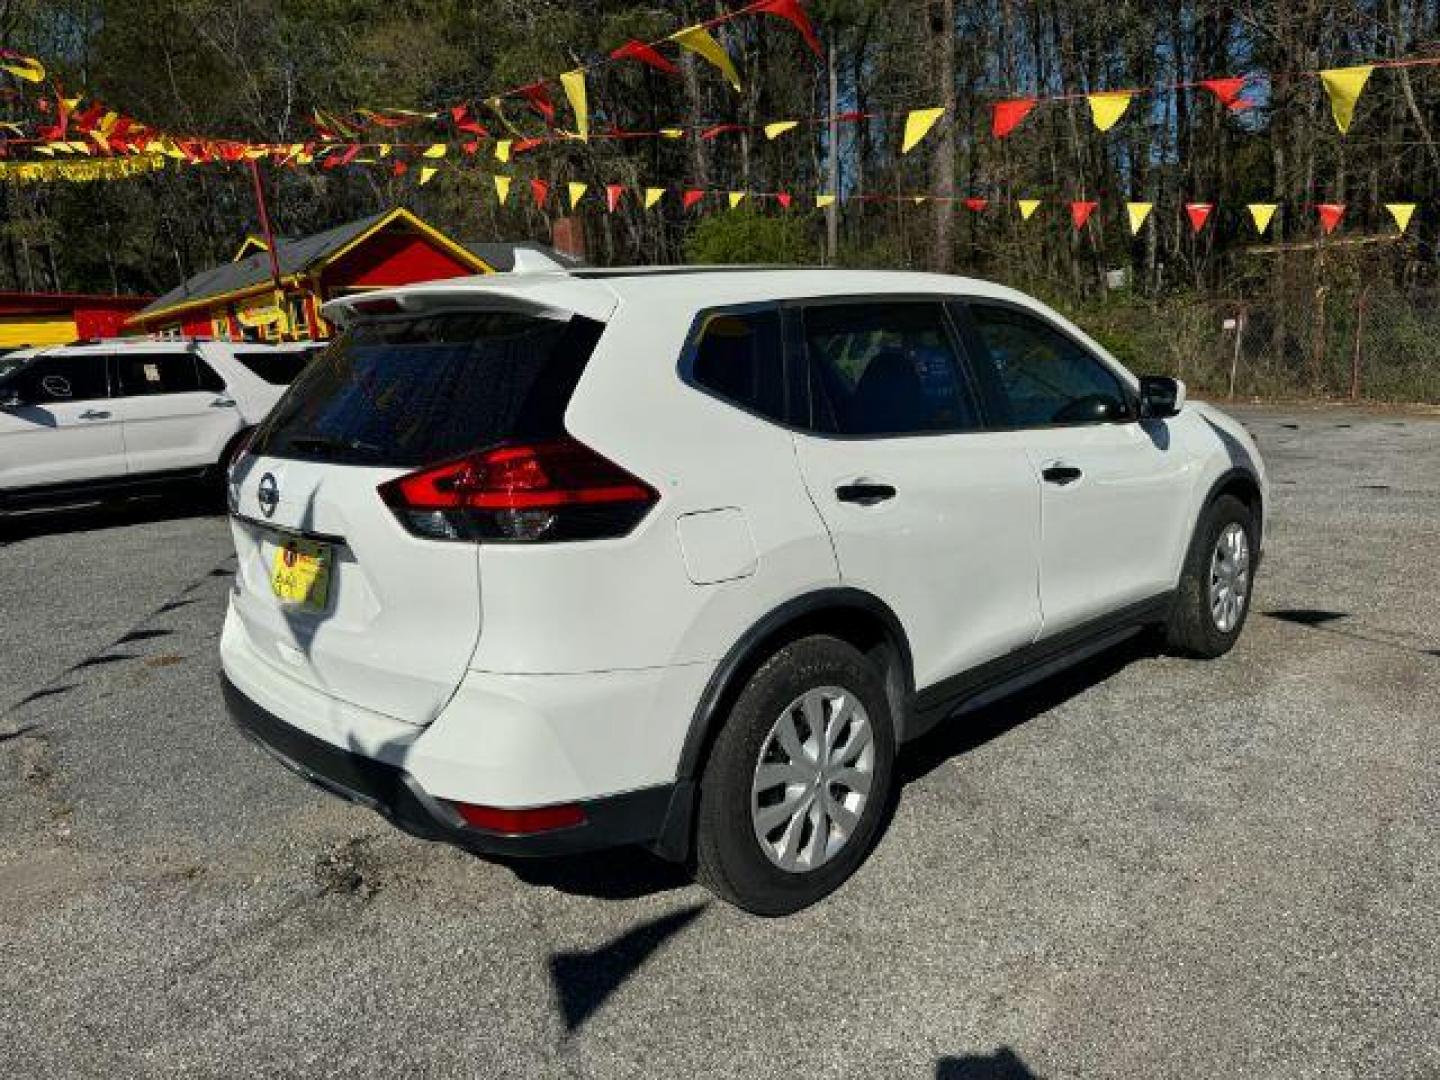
x: 635, y: 817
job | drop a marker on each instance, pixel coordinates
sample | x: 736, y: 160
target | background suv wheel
x: 797, y: 784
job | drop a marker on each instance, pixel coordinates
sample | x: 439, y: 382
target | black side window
x: 210, y: 379
x: 144, y: 374
x: 50, y: 380
x: 886, y: 369
x: 1041, y: 375
x: 738, y: 356
x: 276, y: 366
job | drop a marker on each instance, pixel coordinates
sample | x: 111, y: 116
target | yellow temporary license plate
x: 301, y: 573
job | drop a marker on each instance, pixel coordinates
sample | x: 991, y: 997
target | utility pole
x: 269, y: 245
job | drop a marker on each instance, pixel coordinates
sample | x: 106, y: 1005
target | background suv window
x: 738, y: 356
x: 278, y: 367
x: 886, y: 369
x: 1043, y: 376
x: 143, y: 374
x: 49, y: 380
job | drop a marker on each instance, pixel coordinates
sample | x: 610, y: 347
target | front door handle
x: 223, y: 403
x: 864, y: 494
x: 1061, y: 474
x: 94, y: 414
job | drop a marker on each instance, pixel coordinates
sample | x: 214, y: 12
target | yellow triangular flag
x: 574, y: 84
x: 502, y: 188
x: 918, y: 199
x: 436, y: 151
x: 736, y: 198
x: 918, y: 123
x: 702, y: 43
x: 384, y: 150
x: 822, y: 201
x: 502, y: 150
x: 27, y: 68
x: 577, y: 192
x: 672, y: 133
x: 426, y: 173
x: 1108, y: 107
x: 653, y: 195
x: 1402, y: 212
x: 1344, y: 86
x: 1027, y: 208
x: 780, y: 127
x: 1261, y: 213
x: 1138, y: 211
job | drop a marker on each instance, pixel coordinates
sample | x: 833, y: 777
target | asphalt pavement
x: 1148, y: 867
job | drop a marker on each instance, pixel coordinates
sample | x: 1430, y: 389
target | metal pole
x: 1355, y: 357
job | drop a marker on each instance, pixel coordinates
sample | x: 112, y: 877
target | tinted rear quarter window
x: 415, y: 391
x: 739, y: 356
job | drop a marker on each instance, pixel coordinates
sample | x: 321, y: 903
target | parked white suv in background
x: 115, y: 417
x: 553, y: 561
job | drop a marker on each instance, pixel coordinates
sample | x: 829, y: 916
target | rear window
x: 414, y: 391
x: 278, y: 367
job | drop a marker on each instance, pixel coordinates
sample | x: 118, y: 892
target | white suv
x: 553, y: 561
x: 112, y: 417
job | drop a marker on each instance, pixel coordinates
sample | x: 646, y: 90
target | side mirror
x: 1160, y: 397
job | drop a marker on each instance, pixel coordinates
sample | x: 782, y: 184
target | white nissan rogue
x: 547, y: 562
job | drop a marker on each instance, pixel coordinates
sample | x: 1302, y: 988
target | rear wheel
x: 796, y: 787
x: 1213, y: 599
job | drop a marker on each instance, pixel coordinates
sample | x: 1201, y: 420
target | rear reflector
x: 527, y: 493
x: 520, y: 822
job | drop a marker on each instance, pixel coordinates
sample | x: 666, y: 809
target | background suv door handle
x: 864, y: 494
x: 1061, y: 474
x: 94, y: 414
x: 223, y: 403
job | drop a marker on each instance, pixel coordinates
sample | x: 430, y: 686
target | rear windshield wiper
x: 326, y: 445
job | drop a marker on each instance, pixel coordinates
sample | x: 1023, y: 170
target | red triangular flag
x: 612, y: 195
x: 691, y: 197
x: 1080, y: 212
x: 399, y: 168
x: 1008, y: 114
x: 1228, y: 91
x: 1198, y: 213
x: 784, y: 199
x: 792, y: 12
x: 524, y: 146
x: 720, y: 129
x: 471, y: 148
x: 539, y: 99
x: 540, y: 190
x: 1330, y: 215
x: 460, y: 114
x: 976, y: 204
x: 638, y: 50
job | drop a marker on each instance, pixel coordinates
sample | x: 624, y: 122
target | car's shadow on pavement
x: 620, y: 874
x: 91, y: 517
x: 962, y: 734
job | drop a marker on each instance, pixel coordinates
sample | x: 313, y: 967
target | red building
x: 239, y: 301
x: 59, y: 318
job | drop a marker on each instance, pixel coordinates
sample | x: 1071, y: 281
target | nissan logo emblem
x: 268, y: 494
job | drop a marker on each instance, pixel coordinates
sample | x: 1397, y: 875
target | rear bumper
x: 646, y: 816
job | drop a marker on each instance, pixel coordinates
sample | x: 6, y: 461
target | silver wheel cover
x: 813, y: 779
x: 1229, y: 577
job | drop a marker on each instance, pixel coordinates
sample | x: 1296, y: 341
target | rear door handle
x: 864, y: 494
x: 223, y: 403
x: 94, y: 414
x: 1061, y: 474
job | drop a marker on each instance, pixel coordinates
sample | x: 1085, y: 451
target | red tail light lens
x: 521, y: 822
x: 528, y: 493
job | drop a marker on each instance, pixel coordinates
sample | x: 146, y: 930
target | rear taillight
x: 522, y: 493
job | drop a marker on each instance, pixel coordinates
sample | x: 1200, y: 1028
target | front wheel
x: 1216, y: 585
x: 795, y: 789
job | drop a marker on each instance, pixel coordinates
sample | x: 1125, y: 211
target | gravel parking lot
x: 1150, y: 867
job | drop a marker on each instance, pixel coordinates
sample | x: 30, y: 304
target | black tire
x: 1192, y: 630
x: 729, y: 858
